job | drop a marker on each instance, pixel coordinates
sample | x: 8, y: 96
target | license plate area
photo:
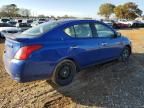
x: 8, y: 51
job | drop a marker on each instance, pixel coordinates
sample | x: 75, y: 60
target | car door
x: 82, y: 44
x: 110, y: 45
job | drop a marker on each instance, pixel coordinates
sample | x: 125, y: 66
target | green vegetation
x: 106, y: 10
x: 12, y: 10
x: 128, y: 10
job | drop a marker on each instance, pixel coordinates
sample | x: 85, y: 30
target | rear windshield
x: 40, y: 29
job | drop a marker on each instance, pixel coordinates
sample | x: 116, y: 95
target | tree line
x: 12, y: 10
x: 129, y: 10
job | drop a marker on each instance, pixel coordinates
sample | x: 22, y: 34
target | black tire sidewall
x: 67, y: 81
x: 121, y: 57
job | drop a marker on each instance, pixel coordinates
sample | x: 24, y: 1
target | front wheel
x: 125, y: 54
x: 64, y: 73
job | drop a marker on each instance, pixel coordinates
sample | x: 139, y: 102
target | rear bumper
x: 27, y: 71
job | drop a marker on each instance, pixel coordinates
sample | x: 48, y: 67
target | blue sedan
x: 58, y: 50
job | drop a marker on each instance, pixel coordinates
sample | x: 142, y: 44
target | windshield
x: 40, y: 29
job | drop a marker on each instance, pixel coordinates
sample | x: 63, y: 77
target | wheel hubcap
x: 64, y: 72
x: 125, y: 54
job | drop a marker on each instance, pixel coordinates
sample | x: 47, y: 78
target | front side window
x: 83, y: 31
x: 103, y: 31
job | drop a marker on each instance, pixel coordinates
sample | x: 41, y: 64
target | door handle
x: 74, y: 47
x: 119, y: 43
x: 104, y: 44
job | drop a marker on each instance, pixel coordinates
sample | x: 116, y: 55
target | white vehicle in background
x: 124, y: 21
x: 35, y: 23
x: 23, y: 26
x: 12, y: 22
x: 141, y: 19
x: 134, y: 23
x: 108, y: 22
x: 7, y: 29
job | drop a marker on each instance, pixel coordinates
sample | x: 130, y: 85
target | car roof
x: 66, y: 21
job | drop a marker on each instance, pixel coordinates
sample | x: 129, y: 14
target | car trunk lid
x: 14, y: 42
x: 11, y: 47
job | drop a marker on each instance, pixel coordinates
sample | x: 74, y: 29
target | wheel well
x: 129, y: 48
x: 77, y: 65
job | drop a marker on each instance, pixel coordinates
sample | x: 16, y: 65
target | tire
x: 125, y: 54
x: 64, y: 73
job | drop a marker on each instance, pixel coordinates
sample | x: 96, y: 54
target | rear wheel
x: 125, y: 54
x: 64, y: 73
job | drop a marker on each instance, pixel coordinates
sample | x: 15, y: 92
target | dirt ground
x: 111, y: 85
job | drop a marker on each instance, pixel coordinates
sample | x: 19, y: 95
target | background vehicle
x: 23, y: 26
x: 7, y: 29
x: 121, y: 25
x: 13, y: 23
x: 133, y: 24
x: 5, y: 25
x: 19, y: 20
x: 138, y: 24
x: 4, y: 20
x: 57, y: 50
x: 108, y: 22
x: 42, y: 20
x: 35, y: 23
x: 29, y: 21
x: 115, y: 24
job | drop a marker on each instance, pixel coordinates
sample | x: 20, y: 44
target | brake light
x: 24, y: 52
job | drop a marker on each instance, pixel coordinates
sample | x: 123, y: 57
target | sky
x: 78, y: 8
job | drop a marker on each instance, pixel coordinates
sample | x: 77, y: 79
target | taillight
x: 24, y: 52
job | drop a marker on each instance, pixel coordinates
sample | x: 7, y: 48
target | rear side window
x: 79, y: 31
x: 70, y: 31
x: 103, y: 31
